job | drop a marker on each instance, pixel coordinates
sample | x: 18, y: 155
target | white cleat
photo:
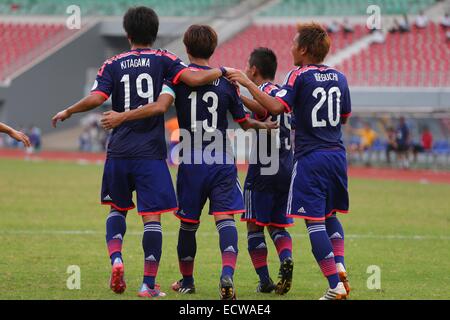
x: 338, y: 293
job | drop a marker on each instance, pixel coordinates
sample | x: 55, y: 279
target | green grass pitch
x: 50, y: 219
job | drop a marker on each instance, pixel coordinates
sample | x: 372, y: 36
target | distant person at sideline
x: 403, y: 139
x: 425, y: 145
x: 445, y: 22
x: 421, y: 20
x: 367, y: 138
x: 391, y: 143
x: 16, y: 135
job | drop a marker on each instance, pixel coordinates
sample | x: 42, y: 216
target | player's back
x: 135, y: 78
x: 202, y: 111
x: 322, y: 99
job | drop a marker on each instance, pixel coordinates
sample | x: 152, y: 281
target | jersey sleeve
x: 236, y: 106
x: 346, y: 103
x: 169, y: 88
x: 104, y: 82
x: 174, y: 67
x: 287, y: 93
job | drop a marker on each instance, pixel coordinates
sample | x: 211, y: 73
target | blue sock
x: 323, y: 252
x: 336, y: 235
x: 257, y: 248
x: 152, y: 245
x: 116, y: 227
x: 187, y: 248
x: 228, y: 238
x: 283, y: 243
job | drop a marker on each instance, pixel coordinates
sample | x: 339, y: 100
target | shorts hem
x: 153, y: 213
x: 185, y: 219
x: 270, y: 224
x: 117, y: 207
x: 227, y: 212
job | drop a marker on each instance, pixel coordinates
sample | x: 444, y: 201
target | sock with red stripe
x: 116, y: 227
x: 228, y: 238
x: 152, y: 245
x: 257, y: 249
x: 336, y: 235
x: 323, y: 252
x: 283, y: 242
x: 187, y: 248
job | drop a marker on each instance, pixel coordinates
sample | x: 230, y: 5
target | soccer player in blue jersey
x: 319, y: 98
x: 265, y: 195
x: 203, y: 111
x: 136, y: 157
x: 16, y: 135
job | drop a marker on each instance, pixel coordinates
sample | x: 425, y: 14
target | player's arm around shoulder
x: 196, y: 78
x: 112, y: 119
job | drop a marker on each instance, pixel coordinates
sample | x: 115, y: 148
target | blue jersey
x: 204, y: 109
x: 280, y: 181
x: 318, y: 97
x: 133, y: 79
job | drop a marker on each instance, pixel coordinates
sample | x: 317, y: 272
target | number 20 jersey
x: 133, y: 79
x: 319, y: 98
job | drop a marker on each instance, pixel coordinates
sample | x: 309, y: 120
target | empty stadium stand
x: 21, y: 43
x: 343, y: 7
x: 114, y: 8
x: 417, y: 58
x: 276, y: 36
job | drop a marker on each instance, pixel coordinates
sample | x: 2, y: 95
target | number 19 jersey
x: 133, y: 79
x: 319, y: 97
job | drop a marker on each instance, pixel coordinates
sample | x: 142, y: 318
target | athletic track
x: 421, y: 176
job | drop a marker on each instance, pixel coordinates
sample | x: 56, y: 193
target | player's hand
x: 60, y: 116
x: 238, y: 76
x: 20, y: 136
x: 111, y: 120
x: 271, y: 125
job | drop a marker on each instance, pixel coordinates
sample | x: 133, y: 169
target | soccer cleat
x: 285, y: 276
x: 226, y: 288
x: 180, y: 288
x: 265, y: 287
x: 117, y: 280
x: 146, y: 292
x: 338, y: 293
x: 343, y: 277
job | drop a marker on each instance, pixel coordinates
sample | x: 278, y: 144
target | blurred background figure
x: 173, y: 138
x: 403, y: 140
x: 367, y: 137
x: 421, y: 21
x: 425, y: 145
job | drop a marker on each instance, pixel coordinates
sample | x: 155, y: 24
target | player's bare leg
x: 283, y: 243
x: 152, y: 245
x: 257, y: 249
x: 115, y: 232
x: 228, y: 237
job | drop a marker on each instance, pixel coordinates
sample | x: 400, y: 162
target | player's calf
x: 283, y: 243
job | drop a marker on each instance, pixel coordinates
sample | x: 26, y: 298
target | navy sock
x: 283, y: 243
x: 336, y: 235
x: 257, y: 248
x: 152, y: 245
x: 116, y: 227
x: 228, y: 238
x: 187, y: 248
x: 323, y: 252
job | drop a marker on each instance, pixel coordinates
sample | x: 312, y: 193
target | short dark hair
x: 314, y: 38
x: 141, y: 25
x: 200, y: 41
x: 265, y: 60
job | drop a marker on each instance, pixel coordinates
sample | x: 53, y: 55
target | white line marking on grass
x: 209, y: 234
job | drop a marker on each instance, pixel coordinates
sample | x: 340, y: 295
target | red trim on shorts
x: 286, y: 106
x: 333, y: 211
x: 346, y: 115
x: 267, y: 224
x: 243, y: 119
x: 186, y: 220
x: 228, y: 212
x: 101, y: 93
x: 176, y: 79
x: 117, y: 207
x: 157, y: 212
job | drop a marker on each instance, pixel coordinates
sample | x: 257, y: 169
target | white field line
x: 209, y: 234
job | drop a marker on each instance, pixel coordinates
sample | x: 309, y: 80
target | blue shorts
x: 266, y: 208
x: 217, y: 182
x: 149, y: 178
x: 319, y: 185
